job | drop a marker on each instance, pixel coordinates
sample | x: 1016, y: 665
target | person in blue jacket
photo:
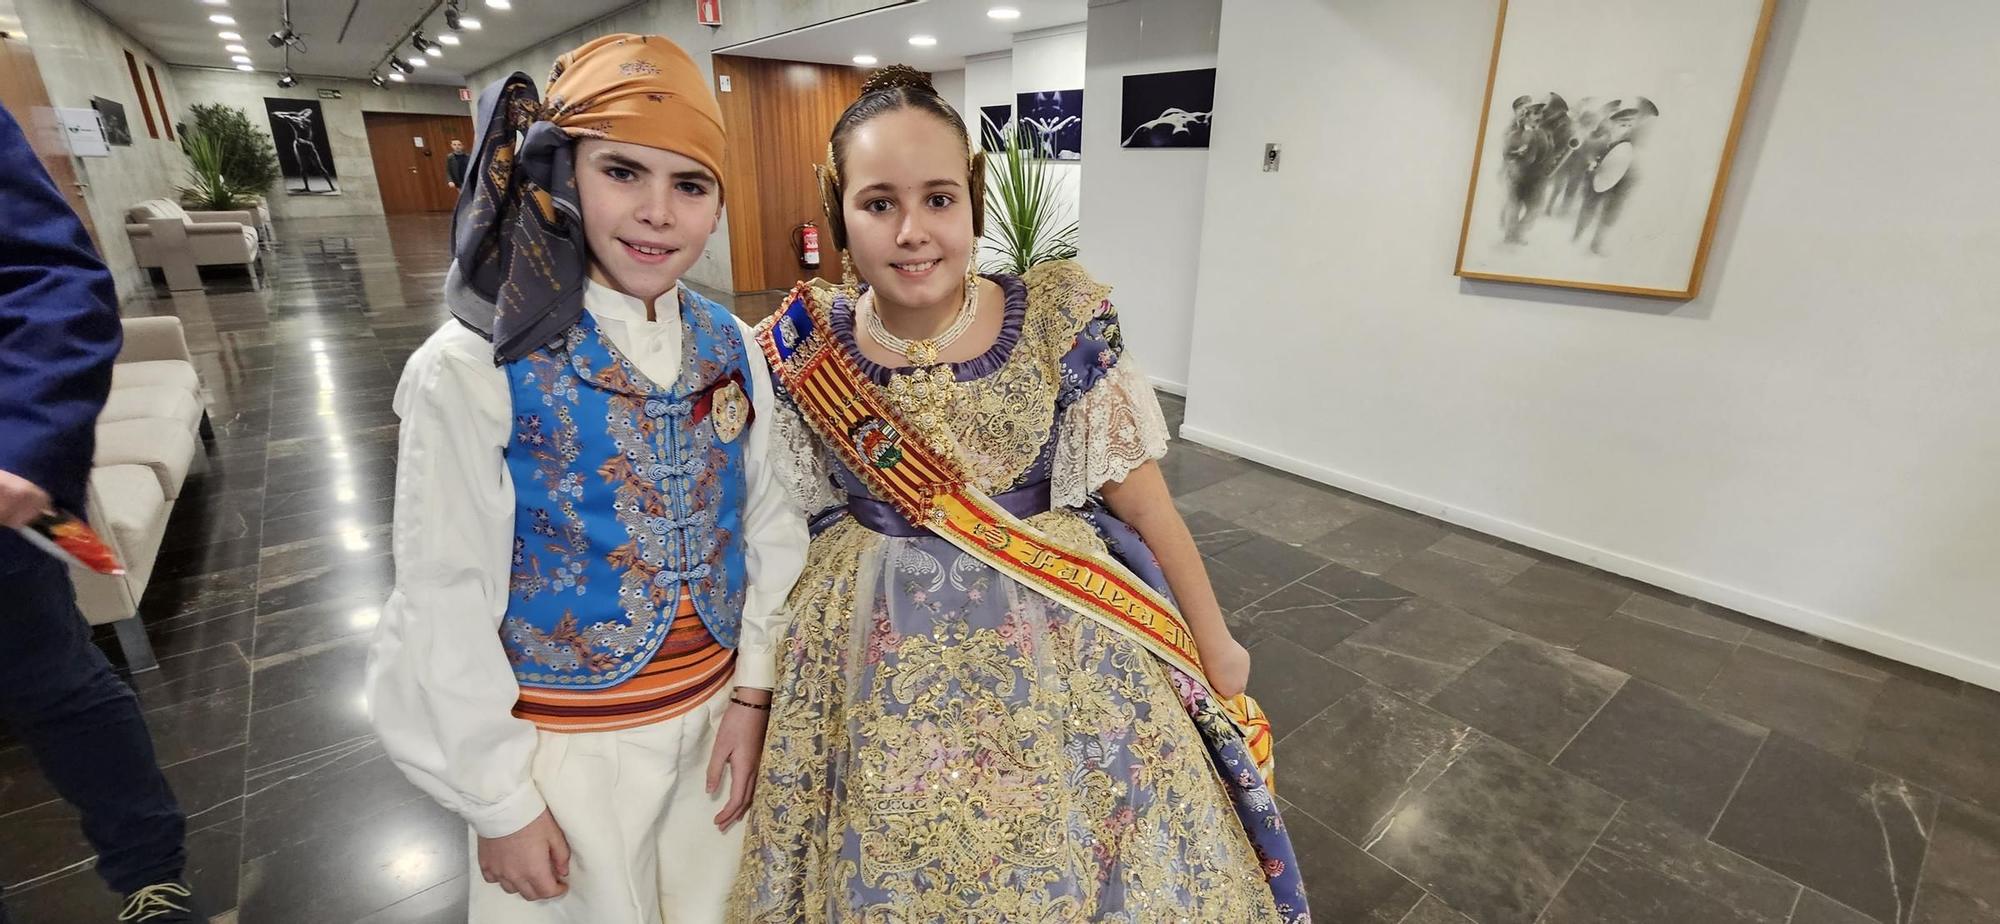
x: 59, y: 334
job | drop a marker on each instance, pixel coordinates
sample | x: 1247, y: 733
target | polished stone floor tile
x: 1362, y: 596
x: 1530, y: 695
x: 444, y: 903
x: 1355, y: 764
x: 1418, y: 647
x: 1815, y: 908
x: 1961, y: 882
x: 1947, y: 742
x: 1212, y: 533
x: 1496, y: 834
x: 1303, y: 615
x: 1658, y: 609
x: 217, y: 722
x: 1822, y: 706
x: 1680, y: 661
x: 1433, y: 910
x: 1855, y: 834
x: 1653, y: 747
x: 1503, y: 558
x: 1344, y: 882
x: 1294, y: 684
x: 1375, y: 543
x: 1646, y: 869
x: 342, y: 874
x: 1446, y: 579
x: 1555, y: 604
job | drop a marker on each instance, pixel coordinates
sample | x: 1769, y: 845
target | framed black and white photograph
x: 1171, y: 110
x: 1053, y: 120
x: 112, y: 115
x: 996, y: 124
x: 298, y: 130
x: 1606, y: 139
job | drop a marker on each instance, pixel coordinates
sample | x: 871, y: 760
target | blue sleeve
x: 59, y: 329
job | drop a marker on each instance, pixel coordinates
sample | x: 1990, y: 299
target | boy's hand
x: 532, y: 862
x: 20, y: 500
x: 739, y: 745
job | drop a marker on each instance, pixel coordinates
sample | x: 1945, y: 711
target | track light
x: 282, y: 37
x: 400, y: 64
x: 376, y: 79
x: 420, y: 43
x: 288, y: 81
x: 452, y: 20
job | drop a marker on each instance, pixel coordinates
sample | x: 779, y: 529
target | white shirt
x: 440, y: 688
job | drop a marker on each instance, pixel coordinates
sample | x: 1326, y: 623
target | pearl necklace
x: 923, y: 352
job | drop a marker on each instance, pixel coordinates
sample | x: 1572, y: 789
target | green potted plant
x: 1027, y: 223
x: 209, y: 188
x: 248, y: 158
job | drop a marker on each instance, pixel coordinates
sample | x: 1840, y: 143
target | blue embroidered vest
x: 626, y: 492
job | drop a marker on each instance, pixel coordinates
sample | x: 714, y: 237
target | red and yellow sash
x: 930, y: 490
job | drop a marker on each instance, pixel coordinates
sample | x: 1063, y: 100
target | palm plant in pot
x: 210, y: 188
x: 1027, y: 221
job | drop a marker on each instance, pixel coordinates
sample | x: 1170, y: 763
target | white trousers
x: 641, y: 831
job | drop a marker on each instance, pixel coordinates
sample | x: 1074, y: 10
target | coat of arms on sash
x: 731, y: 410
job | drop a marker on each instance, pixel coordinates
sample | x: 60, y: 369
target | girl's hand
x: 1228, y: 666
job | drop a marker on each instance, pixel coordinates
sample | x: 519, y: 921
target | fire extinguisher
x: 805, y: 242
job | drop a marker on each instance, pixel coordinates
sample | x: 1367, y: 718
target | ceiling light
x: 222, y: 19
x: 245, y: 67
x: 419, y: 62
x: 375, y: 79
x: 1003, y: 12
x: 397, y: 78
x: 435, y: 51
x: 231, y: 36
x: 923, y: 41
x: 448, y: 39
x: 499, y: 4
x: 420, y: 43
x: 865, y: 60
x: 452, y: 19
x: 467, y: 22
x: 282, y: 37
x: 240, y: 59
x: 399, y: 64
x: 216, y: 2
x: 236, y: 48
x: 288, y: 81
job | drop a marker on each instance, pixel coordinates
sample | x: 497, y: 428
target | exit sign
x: 709, y: 12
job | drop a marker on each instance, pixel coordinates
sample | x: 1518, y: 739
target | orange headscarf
x: 641, y: 89
x: 519, y: 256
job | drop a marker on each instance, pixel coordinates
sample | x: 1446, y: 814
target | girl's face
x: 907, y: 207
x: 647, y: 214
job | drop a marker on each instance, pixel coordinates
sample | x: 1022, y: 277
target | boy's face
x: 647, y: 214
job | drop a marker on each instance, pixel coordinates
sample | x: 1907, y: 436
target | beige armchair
x: 149, y: 439
x: 176, y: 241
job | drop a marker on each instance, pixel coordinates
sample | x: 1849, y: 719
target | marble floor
x: 1472, y: 731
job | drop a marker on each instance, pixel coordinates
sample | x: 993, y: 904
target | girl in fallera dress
x: 964, y: 728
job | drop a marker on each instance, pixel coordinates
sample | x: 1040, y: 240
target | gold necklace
x: 924, y: 352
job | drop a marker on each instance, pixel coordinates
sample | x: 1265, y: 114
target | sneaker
x: 162, y: 903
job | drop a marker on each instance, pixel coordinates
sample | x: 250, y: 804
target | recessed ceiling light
x: 245, y: 67
x: 222, y: 19
x: 434, y: 51
x: 923, y: 41
x: 865, y: 60
x: 467, y: 22
x: 419, y: 62
x: 216, y: 2
x: 499, y: 4
x: 1003, y: 12
x: 240, y: 59
x: 398, y: 78
x: 236, y: 48
x: 230, y: 36
x: 448, y: 39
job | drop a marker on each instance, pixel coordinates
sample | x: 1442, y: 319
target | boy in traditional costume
x: 591, y: 546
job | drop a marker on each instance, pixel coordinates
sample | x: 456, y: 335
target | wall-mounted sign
x: 329, y: 94
x: 709, y: 12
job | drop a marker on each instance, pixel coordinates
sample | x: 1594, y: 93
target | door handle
x: 413, y: 169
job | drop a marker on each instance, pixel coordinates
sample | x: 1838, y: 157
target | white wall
x: 80, y: 55
x: 1814, y: 440
x: 1144, y: 236
x: 347, y: 132
x: 951, y: 86
x: 989, y: 81
x: 675, y: 19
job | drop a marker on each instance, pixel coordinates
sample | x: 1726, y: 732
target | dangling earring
x: 850, y: 284
x: 972, y: 279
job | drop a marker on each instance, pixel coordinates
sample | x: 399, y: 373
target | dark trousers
x: 60, y: 696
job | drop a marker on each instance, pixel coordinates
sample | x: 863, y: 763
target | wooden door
x: 409, y: 153
x: 27, y: 98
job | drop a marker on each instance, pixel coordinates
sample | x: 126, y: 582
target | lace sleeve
x: 801, y: 463
x: 1107, y: 432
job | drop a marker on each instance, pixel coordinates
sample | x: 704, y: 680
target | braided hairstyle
x: 898, y: 86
